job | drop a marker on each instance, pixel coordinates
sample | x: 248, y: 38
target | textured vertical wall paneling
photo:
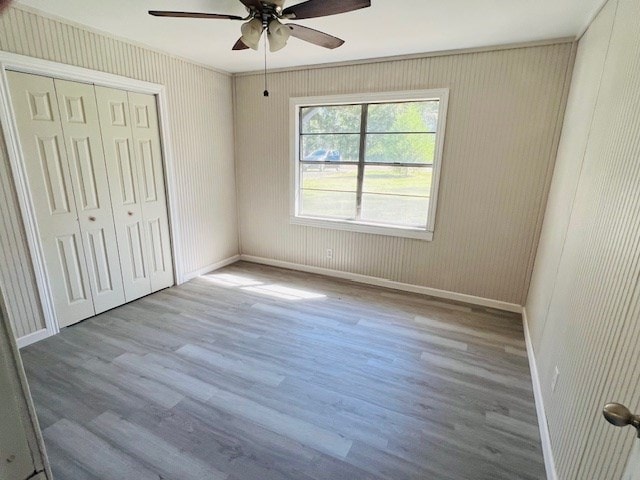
x: 201, y: 113
x: 581, y: 104
x: 267, y: 214
x: 591, y: 330
x: 502, y: 132
x: 16, y: 276
x: 610, y: 248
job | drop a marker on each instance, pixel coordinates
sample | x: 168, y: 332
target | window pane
x: 319, y: 203
x: 332, y: 119
x: 329, y: 193
x: 403, y: 117
x: 401, y: 148
x: 341, y: 178
x: 395, y: 210
x: 330, y: 148
x: 409, y: 181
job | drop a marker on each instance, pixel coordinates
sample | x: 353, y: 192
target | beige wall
x: 201, y: 114
x: 583, y: 307
x: 578, y: 120
x: 503, y: 126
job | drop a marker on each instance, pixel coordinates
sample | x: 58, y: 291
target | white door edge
x: 632, y: 471
x: 26, y: 64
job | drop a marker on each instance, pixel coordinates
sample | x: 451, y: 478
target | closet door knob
x: 92, y: 219
x: 130, y: 214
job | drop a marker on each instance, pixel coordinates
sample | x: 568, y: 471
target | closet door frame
x: 25, y: 64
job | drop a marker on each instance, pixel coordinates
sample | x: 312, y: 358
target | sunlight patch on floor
x: 229, y: 280
x: 255, y: 286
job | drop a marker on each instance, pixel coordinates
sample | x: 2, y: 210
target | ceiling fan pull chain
x: 266, y: 90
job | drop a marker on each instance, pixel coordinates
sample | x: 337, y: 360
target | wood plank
x: 153, y: 450
x: 248, y: 370
x: 95, y: 454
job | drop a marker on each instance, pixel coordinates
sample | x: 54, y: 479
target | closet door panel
x: 146, y: 137
x: 83, y: 139
x: 124, y: 185
x: 46, y: 163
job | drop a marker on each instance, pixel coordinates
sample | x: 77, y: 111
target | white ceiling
x: 389, y: 27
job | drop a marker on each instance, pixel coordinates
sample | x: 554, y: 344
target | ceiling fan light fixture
x: 278, y: 35
x: 251, y: 33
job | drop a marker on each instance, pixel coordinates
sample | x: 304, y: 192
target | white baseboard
x: 209, y: 268
x: 545, y: 437
x: 382, y: 282
x: 32, y: 338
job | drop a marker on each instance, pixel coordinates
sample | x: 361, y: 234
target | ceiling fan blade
x: 159, y: 13
x: 323, y: 8
x: 314, y: 36
x: 240, y: 45
x: 256, y: 4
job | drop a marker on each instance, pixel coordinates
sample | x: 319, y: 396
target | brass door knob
x: 621, y: 416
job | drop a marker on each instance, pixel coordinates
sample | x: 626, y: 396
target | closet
x: 95, y: 174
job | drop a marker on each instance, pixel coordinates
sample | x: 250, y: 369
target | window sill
x: 405, y: 232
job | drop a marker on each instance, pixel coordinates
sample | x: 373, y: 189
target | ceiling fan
x: 266, y: 15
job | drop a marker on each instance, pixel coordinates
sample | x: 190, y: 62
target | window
x: 368, y: 163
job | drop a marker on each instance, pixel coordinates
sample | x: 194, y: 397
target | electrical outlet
x: 329, y: 253
x: 554, y: 381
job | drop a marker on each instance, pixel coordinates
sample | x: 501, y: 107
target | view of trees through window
x: 389, y: 182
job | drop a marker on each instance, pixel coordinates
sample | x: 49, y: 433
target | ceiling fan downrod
x: 266, y: 88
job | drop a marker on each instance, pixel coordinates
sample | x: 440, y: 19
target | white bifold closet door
x: 134, y: 162
x: 36, y: 109
x: 146, y: 140
x: 95, y: 172
x: 83, y: 141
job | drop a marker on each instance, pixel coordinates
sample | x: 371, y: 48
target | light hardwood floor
x: 258, y: 373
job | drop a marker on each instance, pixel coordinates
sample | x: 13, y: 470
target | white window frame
x: 295, y: 104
